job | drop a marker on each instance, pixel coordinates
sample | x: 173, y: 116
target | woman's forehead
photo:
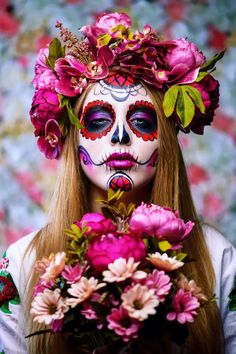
x: 118, y: 89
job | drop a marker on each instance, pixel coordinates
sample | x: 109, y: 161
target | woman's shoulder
x: 18, y: 248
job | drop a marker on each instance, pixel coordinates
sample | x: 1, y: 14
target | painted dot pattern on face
x: 142, y: 120
x: 98, y: 119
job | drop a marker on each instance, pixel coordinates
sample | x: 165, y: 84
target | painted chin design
x: 120, y: 180
x: 120, y: 161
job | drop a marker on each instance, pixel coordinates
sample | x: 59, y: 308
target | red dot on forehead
x: 120, y: 80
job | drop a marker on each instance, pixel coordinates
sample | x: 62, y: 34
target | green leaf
x: 15, y: 300
x: 201, y: 75
x: 170, y: 99
x: 55, y: 51
x: 180, y: 256
x: 185, y: 108
x: 5, y: 307
x: 210, y: 64
x: 65, y: 102
x: 164, y: 245
x: 196, y: 97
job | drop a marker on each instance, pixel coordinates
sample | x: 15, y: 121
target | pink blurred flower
x: 73, y: 274
x: 97, y: 224
x: 42, y: 41
x: 41, y: 266
x: 123, y: 325
x: 122, y: 269
x: 55, y: 267
x: 184, y: 307
x: 28, y: 183
x: 217, y: 38
x: 51, y: 143
x: 154, y: 221
x: 164, y: 262
x: 197, y: 174
x: 9, y: 25
x: 213, y: 206
x: 48, y: 306
x: 226, y: 124
x: 160, y: 283
x: 183, y: 61
x: 108, y: 248
x: 82, y: 290
x: 140, y: 302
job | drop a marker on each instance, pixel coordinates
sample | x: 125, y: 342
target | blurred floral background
x: 26, y: 178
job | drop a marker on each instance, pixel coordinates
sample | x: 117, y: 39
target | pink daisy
x: 184, y: 307
x: 122, y: 269
x: 163, y: 262
x: 160, y: 282
x: 123, y: 325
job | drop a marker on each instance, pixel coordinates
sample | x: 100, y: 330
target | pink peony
x: 160, y: 282
x: 123, y: 325
x: 97, y: 224
x: 184, y: 307
x: 45, y: 106
x: 154, y: 221
x: 108, y: 21
x: 44, y: 78
x: 108, y: 248
x: 51, y: 143
x: 183, y: 61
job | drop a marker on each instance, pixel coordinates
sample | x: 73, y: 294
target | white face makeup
x: 118, y: 145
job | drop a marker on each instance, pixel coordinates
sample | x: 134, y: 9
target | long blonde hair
x: 170, y: 188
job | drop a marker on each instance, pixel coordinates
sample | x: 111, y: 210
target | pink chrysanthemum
x: 48, y: 306
x: 72, y: 274
x: 163, y: 262
x: 190, y: 285
x: 140, y: 302
x: 122, y: 269
x: 160, y: 282
x: 82, y: 290
x: 123, y: 325
x: 184, y: 307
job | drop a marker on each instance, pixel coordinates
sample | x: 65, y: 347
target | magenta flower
x: 123, y: 325
x: 45, y: 106
x: 97, y: 70
x: 42, y: 285
x: 154, y: 221
x: 73, y: 274
x: 209, y: 88
x: 97, y: 224
x: 51, y: 144
x: 183, y: 61
x: 71, y: 79
x: 160, y: 282
x: 184, y: 307
x: 56, y: 325
x: 108, y: 248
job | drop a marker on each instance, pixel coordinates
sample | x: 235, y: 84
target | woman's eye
x: 143, y: 124
x: 96, y: 124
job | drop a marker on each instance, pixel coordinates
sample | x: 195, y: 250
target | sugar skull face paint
x: 118, y: 146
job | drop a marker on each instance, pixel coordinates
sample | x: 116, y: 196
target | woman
x: 119, y: 83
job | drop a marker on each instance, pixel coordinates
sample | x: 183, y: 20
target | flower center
x: 52, y: 139
x: 52, y: 309
x: 137, y: 305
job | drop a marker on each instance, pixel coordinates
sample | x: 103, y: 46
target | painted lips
x: 121, y: 161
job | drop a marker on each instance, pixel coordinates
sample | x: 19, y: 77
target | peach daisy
x: 190, y: 285
x: 164, y: 262
x: 122, y: 269
x: 140, y: 302
x: 82, y: 290
x: 48, y: 306
x: 55, y: 267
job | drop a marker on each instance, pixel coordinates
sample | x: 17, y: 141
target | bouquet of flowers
x: 120, y: 278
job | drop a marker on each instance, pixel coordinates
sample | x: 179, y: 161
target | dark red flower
x: 8, y: 289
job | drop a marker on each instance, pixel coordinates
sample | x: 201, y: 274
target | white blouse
x: 12, y: 334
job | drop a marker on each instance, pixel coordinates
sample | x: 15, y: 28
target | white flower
x: 140, y: 302
x: 48, y: 306
x: 122, y: 269
x: 82, y: 290
x: 55, y: 267
x: 164, y: 262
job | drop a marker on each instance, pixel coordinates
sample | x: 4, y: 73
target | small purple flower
x: 51, y: 144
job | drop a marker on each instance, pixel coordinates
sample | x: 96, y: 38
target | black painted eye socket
x: 98, y: 119
x: 143, y: 119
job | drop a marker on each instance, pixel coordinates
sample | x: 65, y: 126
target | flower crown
x: 65, y: 68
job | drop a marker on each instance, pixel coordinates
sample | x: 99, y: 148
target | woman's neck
x: 136, y: 196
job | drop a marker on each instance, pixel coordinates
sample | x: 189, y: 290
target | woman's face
x: 118, y: 146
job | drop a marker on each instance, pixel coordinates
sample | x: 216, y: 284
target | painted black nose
x: 121, y: 137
